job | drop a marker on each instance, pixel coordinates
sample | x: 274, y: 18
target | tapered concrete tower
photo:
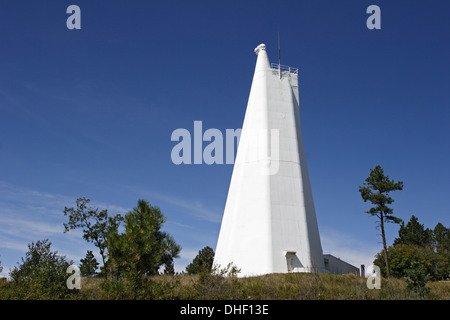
x: 269, y: 223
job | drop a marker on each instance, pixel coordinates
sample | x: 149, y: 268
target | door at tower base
x: 269, y: 223
x: 293, y: 264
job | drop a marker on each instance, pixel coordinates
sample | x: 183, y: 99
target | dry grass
x: 440, y: 290
x: 295, y: 286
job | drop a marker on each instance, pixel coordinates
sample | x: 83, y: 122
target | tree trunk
x: 104, y: 264
x: 388, y: 272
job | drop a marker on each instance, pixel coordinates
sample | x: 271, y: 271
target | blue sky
x: 90, y: 112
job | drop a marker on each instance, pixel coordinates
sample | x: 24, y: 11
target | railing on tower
x: 281, y: 67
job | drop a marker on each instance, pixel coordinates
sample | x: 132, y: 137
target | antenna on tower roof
x: 279, y: 55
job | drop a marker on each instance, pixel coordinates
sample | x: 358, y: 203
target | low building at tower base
x: 337, y: 266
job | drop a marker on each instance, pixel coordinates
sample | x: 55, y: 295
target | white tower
x: 269, y: 223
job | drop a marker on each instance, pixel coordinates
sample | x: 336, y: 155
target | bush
x: 402, y: 257
x: 219, y: 284
x: 418, y: 277
x: 42, y: 275
x: 117, y: 289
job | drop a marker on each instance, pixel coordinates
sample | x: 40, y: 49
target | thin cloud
x: 28, y: 227
x: 347, y: 248
x: 193, y: 208
x: 188, y: 254
x: 28, y: 215
x: 8, y: 243
x: 185, y: 257
x: 19, y: 198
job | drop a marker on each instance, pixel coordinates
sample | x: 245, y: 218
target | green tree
x: 95, y: 223
x: 441, y: 245
x: 402, y: 257
x: 441, y: 238
x: 417, y: 278
x: 42, y: 274
x: 418, y: 247
x: 203, y: 262
x: 414, y: 233
x: 169, y: 268
x: 143, y: 248
x: 376, y: 189
x: 88, y: 265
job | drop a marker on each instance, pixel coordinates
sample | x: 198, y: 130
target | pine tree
x: 169, y: 268
x: 441, y: 238
x: 88, y: 265
x: 143, y: 248
x: 376, y: 189
x: 414, y: 233
x: 203, y: 262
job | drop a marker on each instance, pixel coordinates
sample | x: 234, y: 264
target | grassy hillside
x: 273, y: 286
x: 295, y: 286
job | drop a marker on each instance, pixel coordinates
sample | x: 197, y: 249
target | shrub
x: 418, y: 276
x: 219, y: 284
x: 42, y: 274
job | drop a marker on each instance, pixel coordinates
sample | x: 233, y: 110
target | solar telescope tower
x: 269, y: 223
